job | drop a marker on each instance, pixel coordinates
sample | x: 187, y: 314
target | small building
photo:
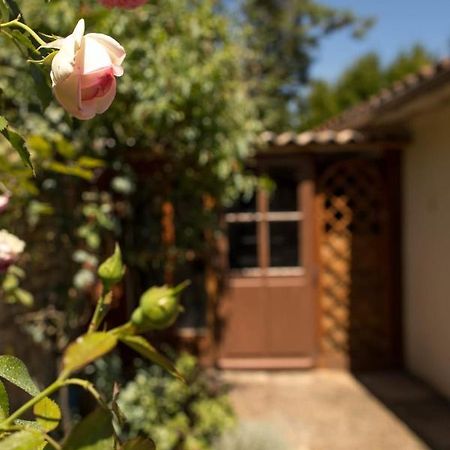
x: 347, y: 262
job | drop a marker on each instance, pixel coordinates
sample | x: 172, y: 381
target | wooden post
x: 168, y: 239
x: 207, y: 346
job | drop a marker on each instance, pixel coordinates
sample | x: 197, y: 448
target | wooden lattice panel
x: 351, y: 220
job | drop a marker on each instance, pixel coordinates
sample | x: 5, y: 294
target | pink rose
x: 4, y: 200
x: 127, y: 4
x: 10, y: 249
x: 84, y: 70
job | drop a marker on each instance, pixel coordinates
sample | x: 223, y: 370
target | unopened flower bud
x: 159, y: 308
x: 112, y: 270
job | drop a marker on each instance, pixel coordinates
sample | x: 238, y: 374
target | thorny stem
x: 88, y: 386
x: 101, y: 310
x: 52, y: 442
x: 126, y: 328
x: 17, y: 23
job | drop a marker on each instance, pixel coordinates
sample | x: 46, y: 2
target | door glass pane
x: 284, y: 244
x: 242, y: 245
x: 284, y: 197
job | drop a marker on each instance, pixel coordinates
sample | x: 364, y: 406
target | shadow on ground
x: 419, y: 407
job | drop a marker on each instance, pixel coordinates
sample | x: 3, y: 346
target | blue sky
x: 400, y: 23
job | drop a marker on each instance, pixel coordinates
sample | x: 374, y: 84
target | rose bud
x: 159, y: 308
x: 112, y: 270
x: 126, y: 4
x: 10, y: 249
x: 4, y: 200
x: 84, y: 70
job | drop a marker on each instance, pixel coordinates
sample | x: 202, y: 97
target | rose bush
x: 84, y: 70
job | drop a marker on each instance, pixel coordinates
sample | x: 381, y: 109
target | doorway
x: 267, y: 313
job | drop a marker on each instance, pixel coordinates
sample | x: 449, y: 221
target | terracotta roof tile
x: 412, y: 83
x: 307, y: 138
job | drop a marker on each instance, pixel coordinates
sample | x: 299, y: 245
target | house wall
x: 426, y: 247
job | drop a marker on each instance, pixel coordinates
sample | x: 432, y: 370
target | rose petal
x: 96, y: 84
x: 94, y: 55
x: 68, y: 94
x: 99, y: 105
x: 78, y: 33
x: 115, y: 50
x: 64, y: 61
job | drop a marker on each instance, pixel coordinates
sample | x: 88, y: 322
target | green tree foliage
x: 362, y: 79
x: 183, y: 97
x: 408, y: 62
x: 283, y: 36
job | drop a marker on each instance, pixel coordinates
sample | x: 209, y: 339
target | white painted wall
x: 426, y: 247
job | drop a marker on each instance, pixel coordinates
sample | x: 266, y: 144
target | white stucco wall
x: 426, y: 247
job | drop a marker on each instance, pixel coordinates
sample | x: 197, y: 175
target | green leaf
x: 24, y: 40
x: 4, y: 11
x: 139, y: 443
x: 42, y: 84
x: 87, y: 348
x: 18, y: 143
x: 65, y: 148
x: 4, y: 402
x: 17, y: 271
x: 72, y: 170
x: 47, y: 414
x: 28, y: 424
x: 144, y: 348
x: 10, y: 282
x: 90, y: 163
x: 15, y: 371
x: 24, y: 297
x: 3, y: 121
x: 112, y: 270
x: 46, y: 60
x: 40, y: 145
x: 13, y: 7
x: 94, y: 432
x: 23, y: 440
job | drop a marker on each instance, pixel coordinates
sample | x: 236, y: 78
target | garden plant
x: 83, y: 69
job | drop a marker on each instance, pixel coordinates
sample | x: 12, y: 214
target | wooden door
x: 267, y: 312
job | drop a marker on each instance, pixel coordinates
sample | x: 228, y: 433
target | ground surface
x: 331, y: 410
